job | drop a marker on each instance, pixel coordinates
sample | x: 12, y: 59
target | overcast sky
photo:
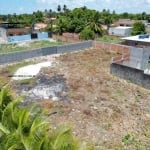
x: 28, y: 6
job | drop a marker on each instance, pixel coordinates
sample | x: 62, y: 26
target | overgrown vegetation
x: 138, y: 28
x: 109, y: 39
x: 8, y: 71
x: 87, y: 34
x: 28, y: 128
x: 14, y: 47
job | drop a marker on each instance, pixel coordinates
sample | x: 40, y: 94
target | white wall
x: 3, y: 35
x: 120, y: 31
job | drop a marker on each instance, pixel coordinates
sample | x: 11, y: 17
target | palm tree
x: 59, y: 8
x: 95, y: 25
x: 26, y: 128
x: 64, y: 8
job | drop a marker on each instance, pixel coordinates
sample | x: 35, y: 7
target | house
x: 14, y: 29
x: 139, y: 51
x: 123, y: 27
x: 11, y: 32
x: 136, y: 67
x: 8, y: 30
x: 122, y: 31
x: 124, y: 22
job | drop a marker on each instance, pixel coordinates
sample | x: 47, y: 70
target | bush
x: 138, y: 28
x: 24, y: 128
x: 87, y: 34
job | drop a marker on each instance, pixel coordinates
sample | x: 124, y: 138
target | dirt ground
x: 109, y: 112
x: 103, y: 109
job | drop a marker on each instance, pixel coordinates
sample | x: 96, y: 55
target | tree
x: 138, y: 28
x: 64, y: 8
x: 59, y: 8
x: 87, y: 34
x: 94, y: 24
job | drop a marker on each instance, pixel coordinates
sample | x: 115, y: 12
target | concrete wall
x: 27, y: 37
x: 3, y: 34
x: 136, y: 57
x: 19, y: 56
x: 139, y: 57
x: 137, y: 43
x: 146, y: 55
x: 119, y: 31
x: 134, y: 75
x: 74, y: 47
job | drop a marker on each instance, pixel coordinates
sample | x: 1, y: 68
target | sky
x: 28, y: 6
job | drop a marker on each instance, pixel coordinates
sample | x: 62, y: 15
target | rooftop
x: 123, y: 27
x: 138, y: 38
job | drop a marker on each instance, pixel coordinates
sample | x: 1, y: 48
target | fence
x: 19, y: 56
x: 27, y: 37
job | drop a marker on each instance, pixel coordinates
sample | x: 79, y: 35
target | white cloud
x: 118, y: 5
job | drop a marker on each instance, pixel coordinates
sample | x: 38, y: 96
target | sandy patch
x: 30, y: 70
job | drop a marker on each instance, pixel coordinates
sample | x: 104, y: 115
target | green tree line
x: 82, y: 20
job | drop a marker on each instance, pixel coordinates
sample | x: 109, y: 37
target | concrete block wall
x: 19, y: 56
x: 74, y: 47
x: 136, y: 76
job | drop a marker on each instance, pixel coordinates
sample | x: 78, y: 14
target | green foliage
x: 62, y: 25
x: 13, y: 47
x: 26, y: 128
x: 109, y: 39
x: 87, y: 34
x: 138, y: 28
x: 128, y: 139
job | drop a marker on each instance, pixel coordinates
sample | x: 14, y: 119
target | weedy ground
x: 111, y: 112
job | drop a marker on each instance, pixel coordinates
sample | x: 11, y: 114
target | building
x: 124, y: 22
x: 11, y: 32
x: 136, y: 66
x: 128, y: 22
x: 39, y: 26
x: 8, y: 30
x: 120, y: 31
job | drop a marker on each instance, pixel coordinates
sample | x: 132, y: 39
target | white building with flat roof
x: 122, y: 31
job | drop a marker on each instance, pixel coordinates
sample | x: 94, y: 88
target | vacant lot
x: 111, y: 112
x: 103, y: 109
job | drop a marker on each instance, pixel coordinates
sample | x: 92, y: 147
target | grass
x: 14, y: 47
x: 11, y: 69
x: 30, y: 81
x: 109, y: 39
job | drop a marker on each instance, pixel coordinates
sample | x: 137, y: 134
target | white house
x: 120, y: 31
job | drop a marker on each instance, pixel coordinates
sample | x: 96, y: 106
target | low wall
x: 74, y: 47
x: 134, y: 75
x: 111, y: 46
x: 19, y: 56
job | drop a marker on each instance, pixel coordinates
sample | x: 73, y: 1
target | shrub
x: 24, y: 128
x: 87, y: 34
x: 138, y: 28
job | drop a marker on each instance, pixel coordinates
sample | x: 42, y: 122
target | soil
x: 108, y: 111
x: 103, y: 109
